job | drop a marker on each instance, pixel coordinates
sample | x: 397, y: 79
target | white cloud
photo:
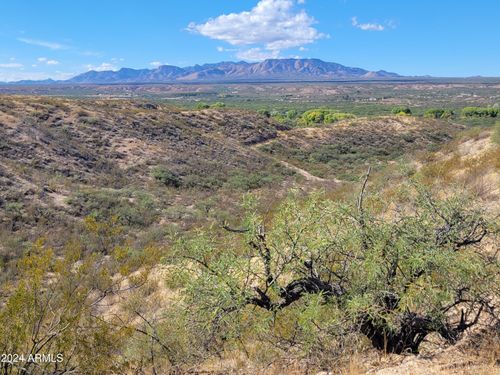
x: 156, y: 64
x: 100, y: 68
x: 223, y: 49
x: 272, y: 25
x: 11, y: 65
x: 44, y: 60
x: 367, y: 26
x: 43, y: 43
x: 257, y: 54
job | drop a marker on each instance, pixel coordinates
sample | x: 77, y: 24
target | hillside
x: 52, y: 150
x: 130, y: 219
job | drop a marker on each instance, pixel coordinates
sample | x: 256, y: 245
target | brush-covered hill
x: 344, y: 148
x: 148, y: 163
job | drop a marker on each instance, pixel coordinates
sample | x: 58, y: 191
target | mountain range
x: 267, y: 70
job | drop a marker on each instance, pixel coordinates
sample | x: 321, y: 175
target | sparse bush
x: 166, y: 177
x: 249, y: 181
x: 131, y: 208
x: 89, y: 120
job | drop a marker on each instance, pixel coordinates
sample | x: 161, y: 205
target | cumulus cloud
x: 269, y: 27
x: 103, y: 67
x: 43, y: 43
x: 156, y: 64
x: 367, y: 26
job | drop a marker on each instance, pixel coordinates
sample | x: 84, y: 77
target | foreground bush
x: 322, y: 274
x: 55, y: 307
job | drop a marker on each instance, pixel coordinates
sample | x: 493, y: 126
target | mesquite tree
x: 335, y: 269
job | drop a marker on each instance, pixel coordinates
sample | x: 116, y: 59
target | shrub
x: 249, y: 181
x: 479, y: 112
x: 439, y: 113
x: 166, y: 177
x: 323, y: 116
x: 318, y: 271
x: 57, y: 305
x: 264, y: 112
x: 218, y: 105
x: 132, y: 208
x: 402, y: 111
x: 89, y: 120
x: 202, y: 105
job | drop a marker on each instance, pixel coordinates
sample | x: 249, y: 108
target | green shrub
x: 248, y: 181
x: 202, y: 105
x: 479, y: 112
x: 218, y: 105
x: 166, y: 177
x: 324, y: 116
x: 401, y: 110
x: 132, y: 208
x: 319, y: 270
x: 439, y: 113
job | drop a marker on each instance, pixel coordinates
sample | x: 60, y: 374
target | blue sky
x: 61, y: 38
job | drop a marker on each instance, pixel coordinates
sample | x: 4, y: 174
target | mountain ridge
x: 268, y: 70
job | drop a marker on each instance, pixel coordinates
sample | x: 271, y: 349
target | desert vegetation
x: 139, y: 237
